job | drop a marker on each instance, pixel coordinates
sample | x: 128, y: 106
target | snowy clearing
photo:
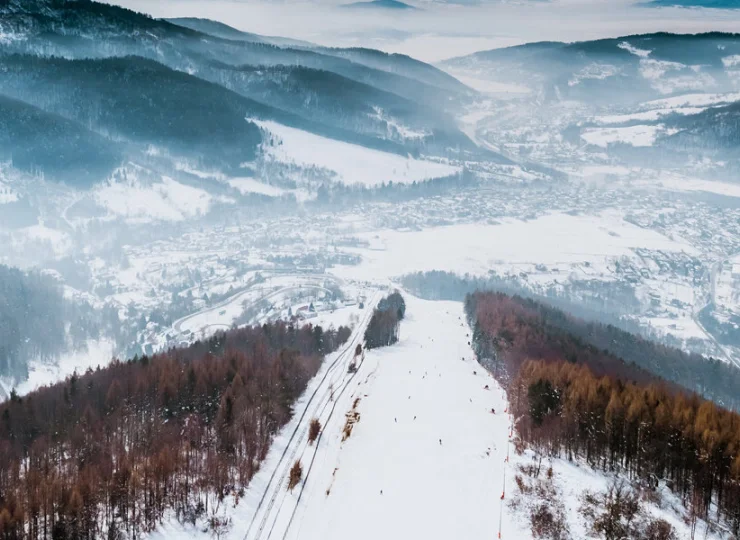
x: 645, y: 116
x: 98, y: 353
x: 352, y: 164
x: 642, y: 53
x: 692, y: 100
x: 42, y: 238
x: 633, y: 135
x: 682, y: 183
x: 246, y: 186
x: 166, y: 201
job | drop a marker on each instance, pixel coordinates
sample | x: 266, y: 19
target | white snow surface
x: 352, y: 164
x: 43, y: 238
x: 678, y: 182
x: 477, y: 248
x: 98, y: 353
x: 165, y: 201
x: 692, y: 100
x: 424, y: 389
x: 593, y: 71
x: 642, y: 53
x: 245, y: 186
x: 7, y: 195
x: 633, y: 135
x: 731, y: 61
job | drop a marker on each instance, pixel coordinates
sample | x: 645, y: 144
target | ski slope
x: 428, y: 458
x: 274, y: 511
x: 393, y: 478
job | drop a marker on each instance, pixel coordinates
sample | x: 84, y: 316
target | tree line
x: 575, y: 400
x: 109, y: 452
x: 640, y: 358
x: 384, y: 326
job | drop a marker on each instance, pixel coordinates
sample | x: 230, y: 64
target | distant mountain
x: 715, y: 130
x: 386, y: 100
x: 380, y: 4
x: 618, y: 70
x: 38, y: 142
x: 400, y: 64
x: 139, y: 101
x: 225, y: 31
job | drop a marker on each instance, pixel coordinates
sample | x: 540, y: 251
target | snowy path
x: 275, y: 507
x: 393, y: 478
x: 210, y: 316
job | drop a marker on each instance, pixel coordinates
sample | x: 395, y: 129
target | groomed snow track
x: 276, y: 507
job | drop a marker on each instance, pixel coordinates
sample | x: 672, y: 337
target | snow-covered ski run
x: 273, y: 512
x: 427, y: 456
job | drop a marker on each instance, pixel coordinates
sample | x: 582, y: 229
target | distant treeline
x: 340, y: 194
x: 383, y: 328
x: 574, y: 399
x: 38, y: 323
x: 108, y: 453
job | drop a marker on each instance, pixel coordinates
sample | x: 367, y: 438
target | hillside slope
x: 425, y: 457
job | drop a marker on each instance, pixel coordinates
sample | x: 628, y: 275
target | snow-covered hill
x: 430, y: 454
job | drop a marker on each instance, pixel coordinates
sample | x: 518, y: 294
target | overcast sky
x: 440, y: 31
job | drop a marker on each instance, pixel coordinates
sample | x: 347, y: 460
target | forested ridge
x: 186, y: 91
x: 574, y: 400
x: 601, y: 346
x: 109, y: 452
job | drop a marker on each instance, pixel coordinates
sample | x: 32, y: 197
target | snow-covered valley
x: 260, y: 287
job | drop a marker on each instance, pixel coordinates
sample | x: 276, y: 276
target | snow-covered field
x: 677, y: 182
x: 552, y: 239
x: 246, y: 186
x: 167, y: 200
x: 42, y: 238
x: 351, y: 164
x: 632, y: 135
x: 7, y: 195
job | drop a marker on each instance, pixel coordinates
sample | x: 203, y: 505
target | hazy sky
x: 444, y: 30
